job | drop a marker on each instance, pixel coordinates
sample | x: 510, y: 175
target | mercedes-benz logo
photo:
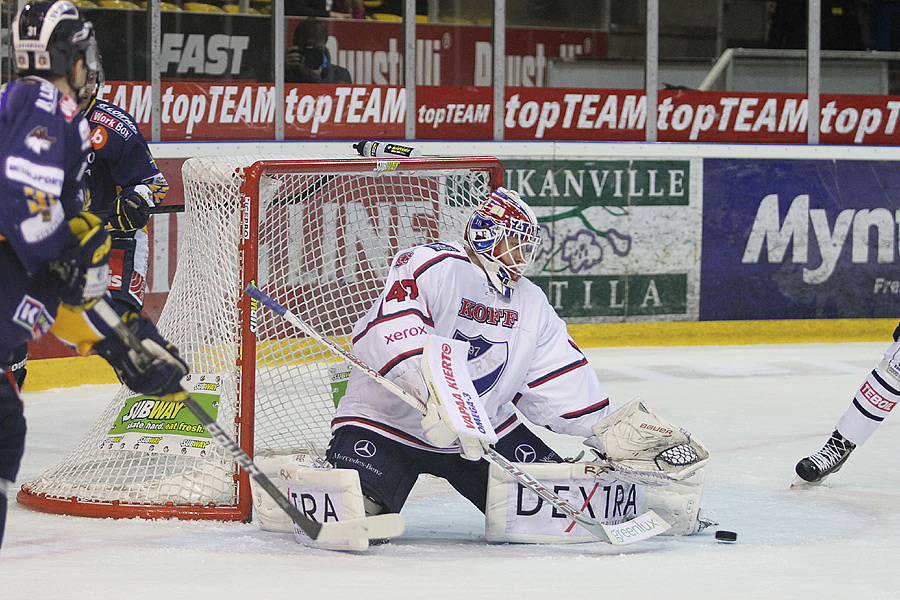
x: 525, y: 453
x: 365, y: 448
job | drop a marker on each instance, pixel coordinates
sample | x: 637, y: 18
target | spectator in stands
x: 395, y: 7
x: 307, y: 60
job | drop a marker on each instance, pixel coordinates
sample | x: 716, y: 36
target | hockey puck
x: 726, y: 536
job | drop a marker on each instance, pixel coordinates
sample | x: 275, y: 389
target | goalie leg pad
x: 322, y: 494
x: 268, y: 514
x: 678, y: 503
x: 516, y: 514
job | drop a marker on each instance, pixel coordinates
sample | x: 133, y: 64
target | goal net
x: 316, y: 234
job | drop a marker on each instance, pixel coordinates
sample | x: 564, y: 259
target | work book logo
x: 111, y: 122
x: 807, y: 230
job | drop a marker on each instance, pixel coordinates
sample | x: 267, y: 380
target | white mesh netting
x: 324, y: 242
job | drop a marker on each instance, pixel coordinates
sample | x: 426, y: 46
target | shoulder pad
x: 420, y: 255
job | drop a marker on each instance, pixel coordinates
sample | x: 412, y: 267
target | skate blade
x: 800, y: 483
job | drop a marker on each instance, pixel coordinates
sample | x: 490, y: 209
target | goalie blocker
x: 454, y: 412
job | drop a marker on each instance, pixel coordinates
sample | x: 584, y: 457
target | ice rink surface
x: 757, y: 408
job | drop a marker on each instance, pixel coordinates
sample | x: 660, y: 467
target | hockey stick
x: 146, y: 210
x: 307, y: 192
x: 639, y: 528
x: 377, y: 527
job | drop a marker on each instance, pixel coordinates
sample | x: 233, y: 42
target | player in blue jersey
x: 54, y: 256
x: 122, y: 182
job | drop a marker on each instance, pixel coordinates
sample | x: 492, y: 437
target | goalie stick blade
x: 639, y: 528
x: 374, y: 528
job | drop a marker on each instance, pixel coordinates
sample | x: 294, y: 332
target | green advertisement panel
x: 617, y: 296
x: 620, y: 238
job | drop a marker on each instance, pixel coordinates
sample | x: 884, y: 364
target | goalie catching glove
x: 642, y: 448
x: 128, y: 214
x: 83, y: 269
x: 156, y: 371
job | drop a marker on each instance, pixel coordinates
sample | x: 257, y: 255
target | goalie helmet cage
x: 316, y: 234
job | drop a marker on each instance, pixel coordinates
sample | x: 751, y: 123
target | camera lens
x: 313, y: 57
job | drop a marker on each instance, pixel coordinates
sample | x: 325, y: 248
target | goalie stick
x: 377, y: 527
x: 641, y: 527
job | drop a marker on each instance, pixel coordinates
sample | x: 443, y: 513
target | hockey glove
x: 128, y: 215
x: 83, y: 268
x: 156, y: 371
x: 641, y: 447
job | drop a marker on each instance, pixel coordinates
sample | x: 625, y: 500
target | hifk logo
x: 487, y: 360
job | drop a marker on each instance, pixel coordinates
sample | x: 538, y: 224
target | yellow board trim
x: 52, y: 373
x: 712, y: 333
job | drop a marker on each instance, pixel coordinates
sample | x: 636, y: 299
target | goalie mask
x: 503, y: 233
x: 48, y: 39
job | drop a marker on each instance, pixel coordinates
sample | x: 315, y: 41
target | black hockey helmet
x: 48, y: 37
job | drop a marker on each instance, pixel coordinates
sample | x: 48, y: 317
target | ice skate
x: 828, y: 460
x: 704, y: 522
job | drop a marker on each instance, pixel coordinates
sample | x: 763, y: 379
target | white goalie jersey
x: 520, y: 352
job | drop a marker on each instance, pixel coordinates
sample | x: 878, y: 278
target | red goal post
x: 315, y: 233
